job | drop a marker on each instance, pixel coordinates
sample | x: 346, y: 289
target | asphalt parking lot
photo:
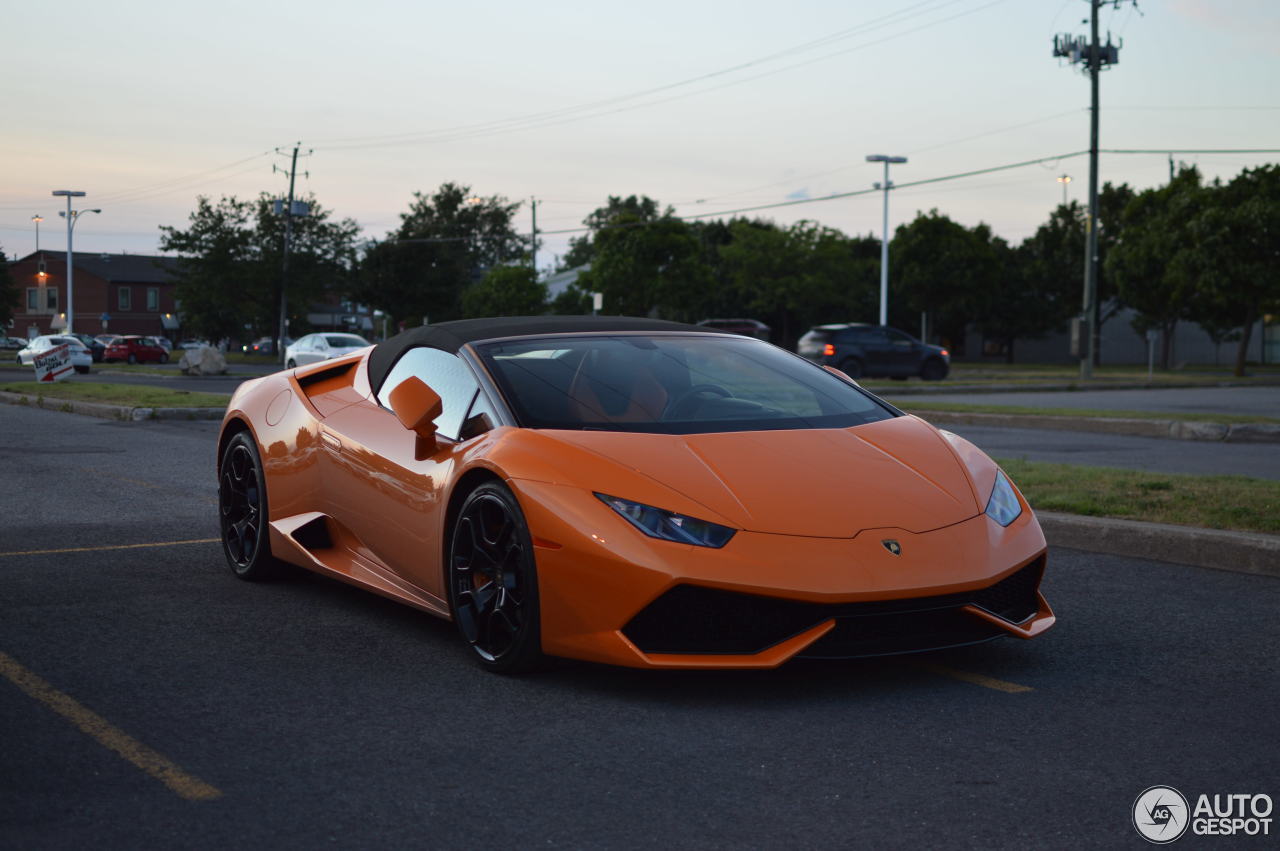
x: 149, y: 699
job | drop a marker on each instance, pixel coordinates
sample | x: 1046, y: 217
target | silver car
x: 317, y: 347
x: 81, y: 357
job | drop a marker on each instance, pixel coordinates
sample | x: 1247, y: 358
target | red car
x: 135, y: 349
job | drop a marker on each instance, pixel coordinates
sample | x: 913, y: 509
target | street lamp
x: 884, y: 243
x: 37, y: 218
x: 70, y: 215
x: 1064, y: 180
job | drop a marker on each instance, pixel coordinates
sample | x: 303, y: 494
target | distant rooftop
x: 128, y: 268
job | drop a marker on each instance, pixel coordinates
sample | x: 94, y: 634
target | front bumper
x: 610, y: 594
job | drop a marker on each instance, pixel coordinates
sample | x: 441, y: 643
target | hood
x: 829, y: 483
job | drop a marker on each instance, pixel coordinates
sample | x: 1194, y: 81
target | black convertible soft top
x: 451, y: 336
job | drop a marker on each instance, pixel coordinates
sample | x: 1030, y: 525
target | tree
x: 1019, y: 303
x: 506, y: 291
x: 646, y: 265
x: 230, y: 259
x: 940, y: 267
x: 8, y: 291
x: 795, y: 278
x: 618, y: 210
x: 446, y: 241
x: 1148, y: 263
x: 1235, y: 256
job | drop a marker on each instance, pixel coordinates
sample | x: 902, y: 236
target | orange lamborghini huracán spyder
x: 628, y: 491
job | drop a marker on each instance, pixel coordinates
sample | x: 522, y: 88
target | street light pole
x: 70, y: 217
x: 884, y: 242
x: 1064, y: 180
x: 37, y: 218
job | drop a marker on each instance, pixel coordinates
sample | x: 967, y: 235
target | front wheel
x: 493, y: 581
x: 292, y: 364
x: 133, y: 358
x: 242, y: 510
x: 934, y: 370
x: 164, y: 358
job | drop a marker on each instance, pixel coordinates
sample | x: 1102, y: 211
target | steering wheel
x: 690, y: 395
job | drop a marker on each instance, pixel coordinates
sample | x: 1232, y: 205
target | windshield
x: 670, y: 384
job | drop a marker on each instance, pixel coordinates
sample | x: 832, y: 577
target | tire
x: 490, y: 545
x: 164, y: 358
x: 934, y: 370
x: 243, y: 513
x: 851, y: 367
x: 133, y: 358
x: 83, y: 370
x: 292, y: 364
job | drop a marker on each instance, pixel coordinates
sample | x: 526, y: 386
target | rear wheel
x: 851, y: 367
x: 164, y: 358
x: 133, y: 358
x: 933, y: 370
x: 291, y: 364
x: 242, y: 504
x: 493, y: 582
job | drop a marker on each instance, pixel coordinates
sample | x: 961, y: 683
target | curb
x: 1238, y: 552
x: 898, y: 388
x: 1169, y: 429
x: 112, y: 412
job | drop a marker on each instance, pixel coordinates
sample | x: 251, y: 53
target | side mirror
x: 416, y: 406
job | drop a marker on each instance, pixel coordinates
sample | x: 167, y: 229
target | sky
x: 705, y: 105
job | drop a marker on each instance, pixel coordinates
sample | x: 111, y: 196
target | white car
x: 317, y: 347
x: 81, y: 357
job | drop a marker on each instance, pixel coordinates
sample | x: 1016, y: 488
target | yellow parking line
x: 156, y: 764
x: 111, y: 547
x: 976, y: 679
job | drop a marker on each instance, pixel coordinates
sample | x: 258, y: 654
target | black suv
x: 874, y: 351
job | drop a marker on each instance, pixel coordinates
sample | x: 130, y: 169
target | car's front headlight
x: 1003, y: 507
x: 669, y: 526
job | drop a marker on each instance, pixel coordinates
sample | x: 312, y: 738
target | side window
x: 124, y: 299
x: 153, y: 298
x: 897, y: 337
x: 443, y: 373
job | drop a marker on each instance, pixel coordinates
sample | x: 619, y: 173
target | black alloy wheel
x: 493, y: 583
x: 242, y: 510
x: 933, y: 370
x: 851, y: 367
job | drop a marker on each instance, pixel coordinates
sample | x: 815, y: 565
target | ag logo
x: 892, y: 546
x: 1160, y: 814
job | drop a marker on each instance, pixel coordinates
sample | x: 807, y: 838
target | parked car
x: 745, y: 327
x: 106, y: 339
x: 318, y: 347
x: 81, y: 357
x: 135, y: 349
x: 97, y: 349
x: 264, y: 346
x: 874, y: 351
x: 13, y: 343
x: 165, y: 343
x: 189, y: 344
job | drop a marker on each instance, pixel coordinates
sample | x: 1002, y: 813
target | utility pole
x: 533, y: 248
x: 1096, y: 56
x: 282, y: 328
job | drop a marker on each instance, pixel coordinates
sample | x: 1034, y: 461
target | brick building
x: 135, y: 292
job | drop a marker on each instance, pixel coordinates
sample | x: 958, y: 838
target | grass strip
x: 916, y: 404
x: 1214, y: 502
x: 128, y: 395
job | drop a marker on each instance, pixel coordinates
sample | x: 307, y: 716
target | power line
x: 588, y: 111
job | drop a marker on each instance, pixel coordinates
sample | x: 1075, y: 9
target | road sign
x: 55, y: 364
